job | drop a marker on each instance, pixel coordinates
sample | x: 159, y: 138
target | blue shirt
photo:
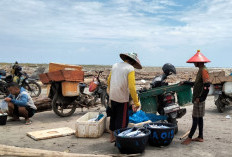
x: 21, y: 99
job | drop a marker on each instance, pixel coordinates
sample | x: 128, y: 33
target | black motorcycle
x: 3, y: 83
x: 100, y: 91
x: 167, y: 102
x: 65, y: 106
x: 32, y: 87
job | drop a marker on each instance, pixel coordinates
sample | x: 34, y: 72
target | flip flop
x: 28, y: 122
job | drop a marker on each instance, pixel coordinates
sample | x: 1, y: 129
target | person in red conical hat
x: 198, y: 58
x: 200, y: 92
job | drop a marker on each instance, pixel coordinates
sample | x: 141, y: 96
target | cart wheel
x: 61, y: 109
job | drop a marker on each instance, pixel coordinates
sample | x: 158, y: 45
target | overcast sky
x: 95, y: 32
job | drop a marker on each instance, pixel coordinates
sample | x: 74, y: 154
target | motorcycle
x: 3, y: 83
x: 65, y: 106
x: 33, y: 88
x: 100, y: 91
x: 222, y: 95
x: 166, y: 102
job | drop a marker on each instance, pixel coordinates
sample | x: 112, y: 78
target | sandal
x: 28, y: 122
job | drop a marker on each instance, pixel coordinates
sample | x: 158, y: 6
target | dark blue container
x: 161, y: 136
x: 131, y: 145
x: 3, y: 119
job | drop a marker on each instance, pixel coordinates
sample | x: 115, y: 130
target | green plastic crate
x: 149, y: 99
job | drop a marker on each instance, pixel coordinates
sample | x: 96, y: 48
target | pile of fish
x: 155, y: 126
x: 132, y: 132
x: 3, y: 114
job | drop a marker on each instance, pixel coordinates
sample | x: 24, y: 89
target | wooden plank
x: 130, y: 125
x: 28, y: 152
x: 50, y: 133
x: 185, y: 135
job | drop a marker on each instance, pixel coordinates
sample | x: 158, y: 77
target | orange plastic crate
x: 59, y: 66
x: 62, y: 75
x: 70, y: 88
x: 44, y: 78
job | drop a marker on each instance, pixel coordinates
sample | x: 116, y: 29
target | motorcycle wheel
x: 220, y: 105
x: 33, y: 88
x: 104, y: 99
x: 3, y: 90
x: 61, y: 109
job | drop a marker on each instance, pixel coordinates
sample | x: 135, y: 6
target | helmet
x: 9, y: 79
x: 198, y: 57
x: 169, y: 69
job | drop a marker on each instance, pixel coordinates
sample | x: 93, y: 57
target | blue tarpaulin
x: 141, y: 116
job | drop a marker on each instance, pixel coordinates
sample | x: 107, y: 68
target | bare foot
x: 198, y: 139
x: 112, y: 140
x: 187, y: 141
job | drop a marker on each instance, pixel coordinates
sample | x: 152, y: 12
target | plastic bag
x: 93, y: 86
x: 138, y: 117
x: 4, y: 106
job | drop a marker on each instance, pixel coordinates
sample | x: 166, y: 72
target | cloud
x: 152, y: 26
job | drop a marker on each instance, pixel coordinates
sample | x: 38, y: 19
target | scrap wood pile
x: 42, y: 104
x: 217, y: 77
x: 147, y: 73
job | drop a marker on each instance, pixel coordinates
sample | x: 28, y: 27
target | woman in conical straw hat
x: 121, y: 84
x: 200, y: 92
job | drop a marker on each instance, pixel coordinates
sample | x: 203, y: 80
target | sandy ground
x: 217, y: 134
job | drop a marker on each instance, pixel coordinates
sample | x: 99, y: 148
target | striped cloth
x: 199, y: 109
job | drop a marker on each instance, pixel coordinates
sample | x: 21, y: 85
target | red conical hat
x: 198, y: 57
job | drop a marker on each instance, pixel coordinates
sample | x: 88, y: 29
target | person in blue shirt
x: 20, y: 103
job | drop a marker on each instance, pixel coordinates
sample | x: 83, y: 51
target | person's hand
x: 197, y: 100
x: 7, y: 99
x: 108, y: 90
x: 135, y: 108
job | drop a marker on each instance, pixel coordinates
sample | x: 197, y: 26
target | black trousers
x: 119, y: 116
x: 197, y: 121
x: 30, y: 111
